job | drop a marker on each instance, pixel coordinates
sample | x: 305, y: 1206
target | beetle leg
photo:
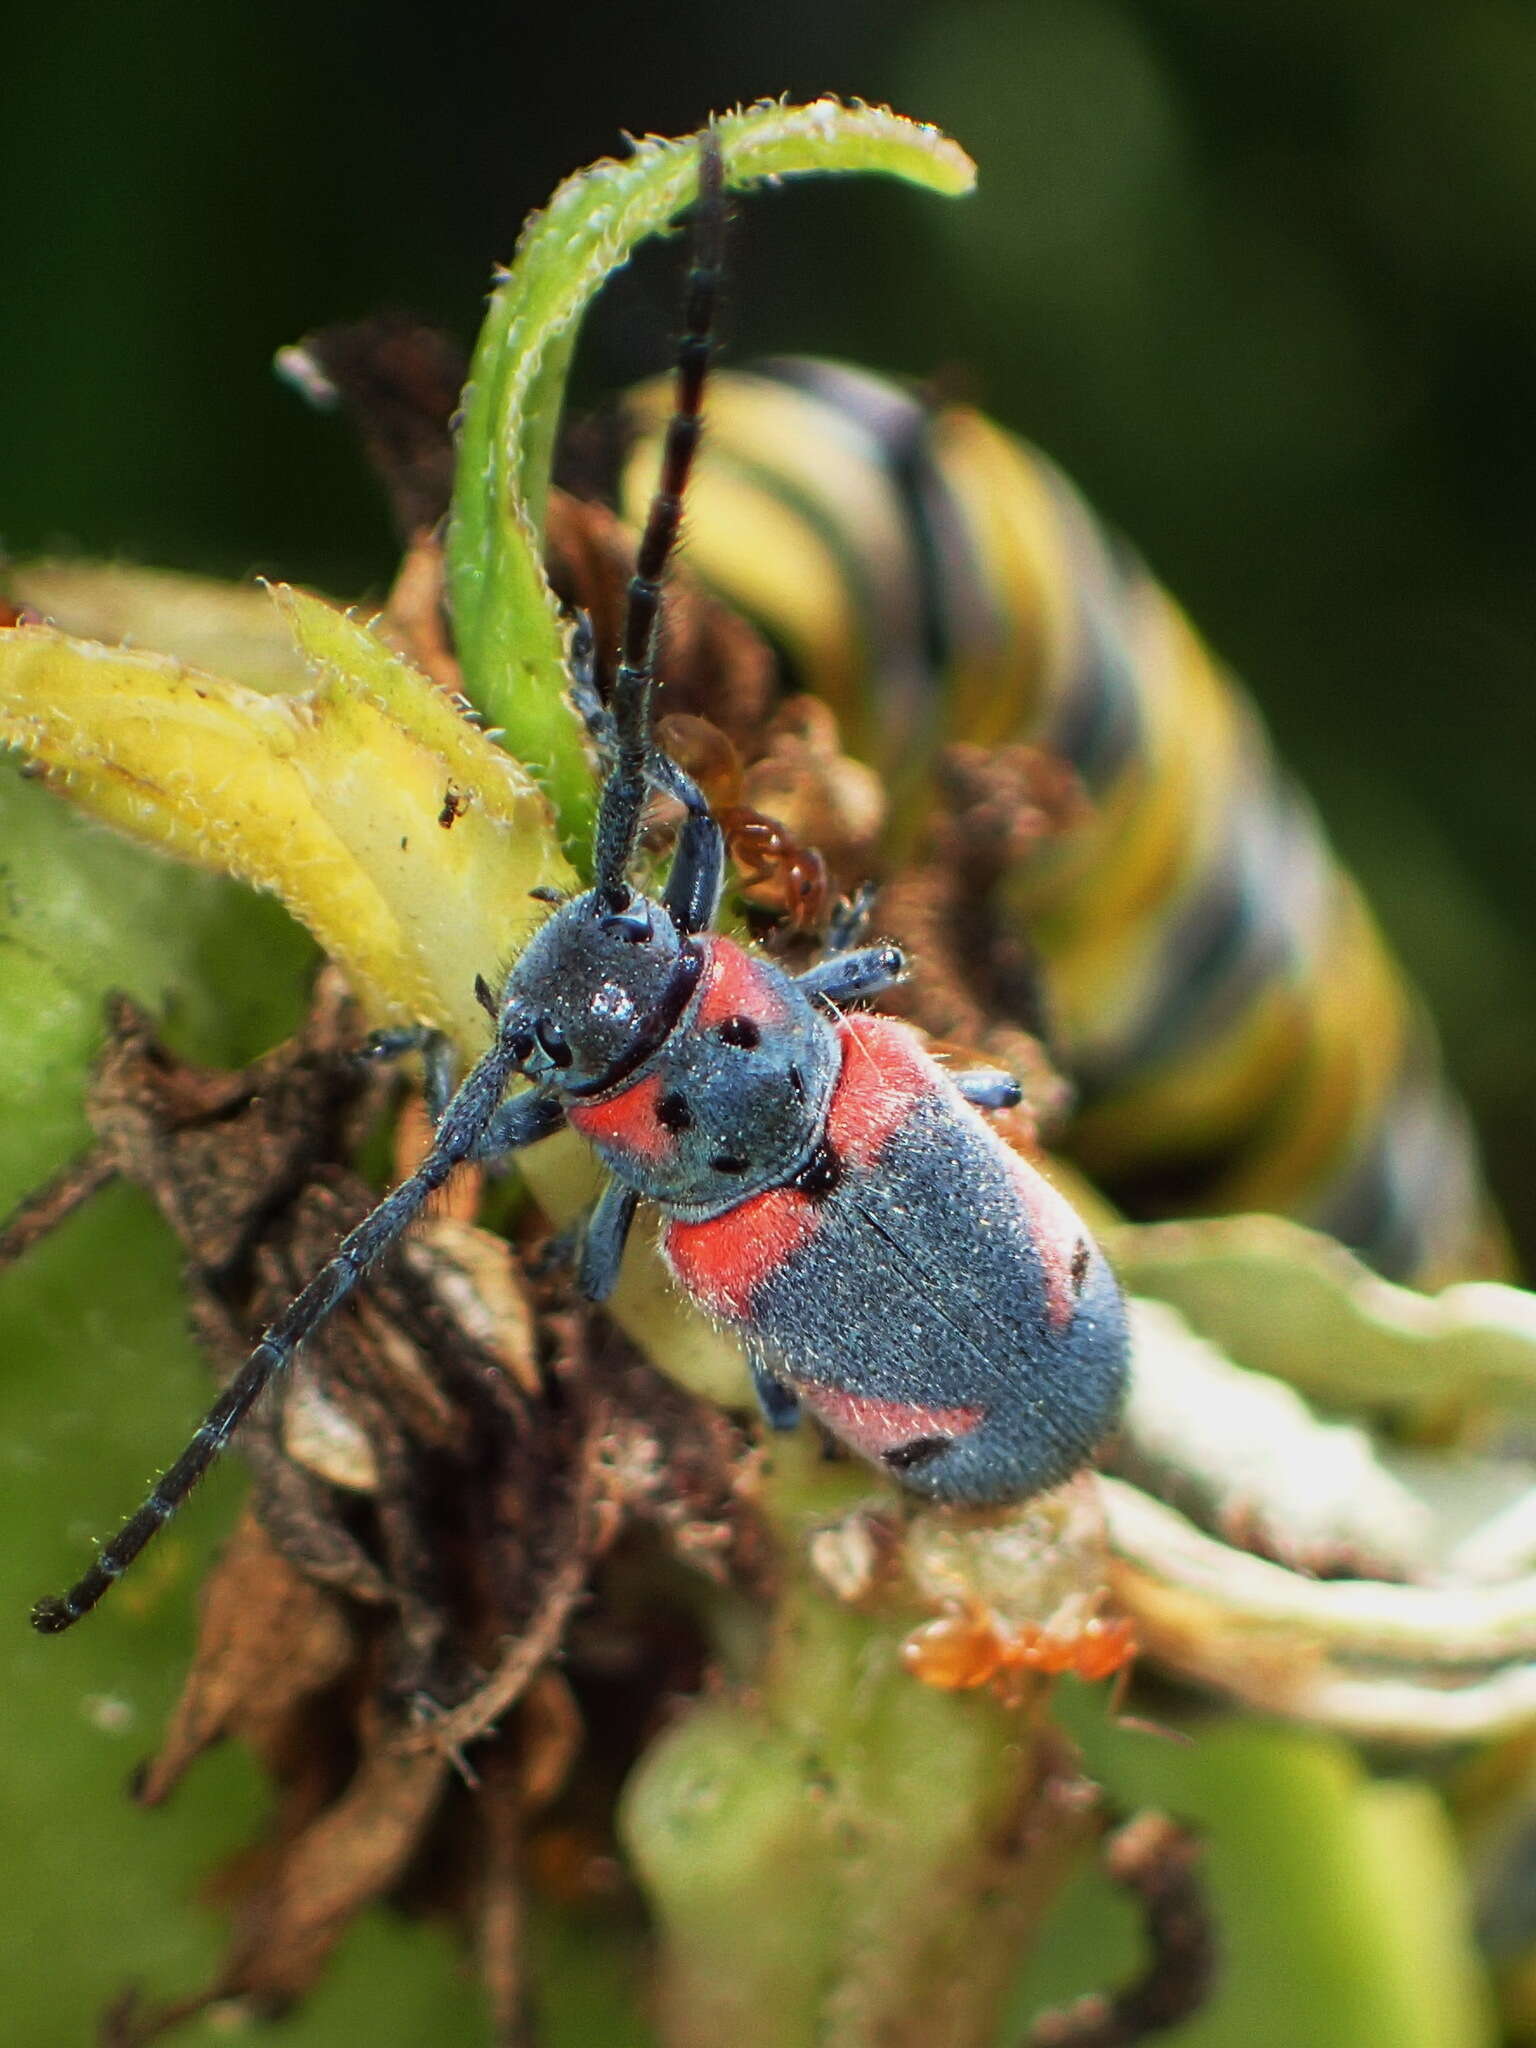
x: 693, y: 886
x: 698, y: 866
x: 845, y: 977
x: 846, y: 925
x: 522, y: 1121
x: 780, y: 1404
x: 603, y: 1240
x: 437, y: 1058
x: 989, y: 1088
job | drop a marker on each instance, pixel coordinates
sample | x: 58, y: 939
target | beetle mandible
x: 828, y: 1191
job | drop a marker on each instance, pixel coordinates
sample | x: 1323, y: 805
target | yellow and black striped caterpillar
x: 1238, y: 1033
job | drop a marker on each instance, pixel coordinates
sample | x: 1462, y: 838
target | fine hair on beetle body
x: 827, y: 1191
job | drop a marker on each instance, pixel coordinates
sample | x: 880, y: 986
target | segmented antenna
x: 618, y: 819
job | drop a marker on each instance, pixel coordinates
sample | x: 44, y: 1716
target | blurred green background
x: 1262, y: 278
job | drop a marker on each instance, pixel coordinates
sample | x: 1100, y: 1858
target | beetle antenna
x: 618, y: 820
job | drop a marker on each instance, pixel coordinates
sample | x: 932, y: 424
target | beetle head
x: 597, y: 990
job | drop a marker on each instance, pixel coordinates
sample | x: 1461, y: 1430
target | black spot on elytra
x: 921, y: 1451
x: 673, y: 1113
x: 821, y: 1174
x: 1080, y: 1260
x: 741, y: 1032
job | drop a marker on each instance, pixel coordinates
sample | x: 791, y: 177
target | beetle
x: 828, y: 1191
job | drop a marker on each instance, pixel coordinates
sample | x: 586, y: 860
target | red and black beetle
x: 828, y: 1190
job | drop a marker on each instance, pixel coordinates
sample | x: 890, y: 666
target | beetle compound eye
x: 632, y: 925
x: 553, y: 1040
x: 673, y: 1113
x: 740, y: 1031
x: 728, y: 1162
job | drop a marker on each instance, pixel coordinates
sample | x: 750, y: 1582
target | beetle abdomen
x: 922, y: 1289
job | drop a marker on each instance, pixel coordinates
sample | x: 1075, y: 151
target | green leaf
x: 1342, y: 1913
x: 101, y: 1384
x: 1290, y: 1302
x: 510, y: 636
x: 229, y: 629
x: 331, y: 799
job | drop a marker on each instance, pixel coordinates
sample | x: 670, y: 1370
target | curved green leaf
x: 510, y: 637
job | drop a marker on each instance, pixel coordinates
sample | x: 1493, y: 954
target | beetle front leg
x: 780, y: 1404
x: 523, y: 1121
x: 604, y: 1239
x: 692, y: 891
x: 846, y: 977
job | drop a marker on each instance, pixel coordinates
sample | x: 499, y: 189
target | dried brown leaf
x: 268, y: 1641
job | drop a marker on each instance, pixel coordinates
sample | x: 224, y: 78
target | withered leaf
x: 268, y: 1641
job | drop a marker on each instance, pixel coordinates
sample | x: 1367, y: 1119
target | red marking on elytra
x: 625, y: 1122
x: 722, y: 1262
x: 736, y: 985
x: 885, y: 1074
x: 1055, y: 1232
x: 875, y: 1427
